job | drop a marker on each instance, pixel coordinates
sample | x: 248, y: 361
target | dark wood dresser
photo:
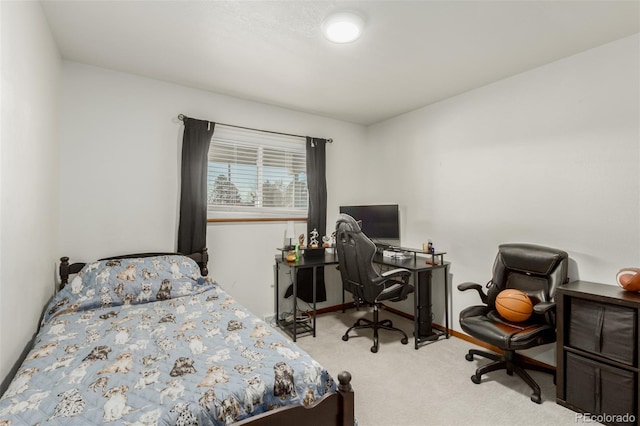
x: 597, y: 352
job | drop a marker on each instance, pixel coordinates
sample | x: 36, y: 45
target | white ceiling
x: 412, y: 53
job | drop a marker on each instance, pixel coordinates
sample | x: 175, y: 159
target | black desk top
x: 413, y: 263
x: 327, y: 259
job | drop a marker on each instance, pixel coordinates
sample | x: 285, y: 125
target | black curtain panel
x: 192, y: 228
x: 317, y: 215
x: 317, y: 184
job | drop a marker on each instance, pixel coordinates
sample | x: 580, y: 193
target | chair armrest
x: 401, y: 273
x: 398, y: 272
x: 547, y: 310
x: 394, y: 278
x: 542, y: 308
x: 473, y: 286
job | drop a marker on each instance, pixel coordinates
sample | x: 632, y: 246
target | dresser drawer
x: 603, y: 329
x: 598, y: 388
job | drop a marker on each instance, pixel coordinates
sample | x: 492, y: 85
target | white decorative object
x: 313, y: 238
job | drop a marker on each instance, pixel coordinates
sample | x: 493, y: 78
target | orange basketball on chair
x: 514, y: 305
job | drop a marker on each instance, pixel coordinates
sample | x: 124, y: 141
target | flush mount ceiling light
x: 342, y: 27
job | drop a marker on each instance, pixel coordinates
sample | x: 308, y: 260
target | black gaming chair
x: 536, y: 270
x: 359, y: 277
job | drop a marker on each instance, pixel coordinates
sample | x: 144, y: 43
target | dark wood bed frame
x: 333, y: 409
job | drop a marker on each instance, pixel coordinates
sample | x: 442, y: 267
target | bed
x: 150, y: 340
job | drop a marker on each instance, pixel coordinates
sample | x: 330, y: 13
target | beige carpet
x: 430, y: 386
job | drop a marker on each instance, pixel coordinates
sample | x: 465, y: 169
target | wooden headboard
x: 66, y: 269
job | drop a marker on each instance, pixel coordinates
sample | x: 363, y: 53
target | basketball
x: 514, y: 305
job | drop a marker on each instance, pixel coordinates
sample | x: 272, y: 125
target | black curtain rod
x: 182, y: 116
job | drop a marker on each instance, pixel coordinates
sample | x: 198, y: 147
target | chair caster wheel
x: 509, y: 373
x: 404, y: 340
x: 374, y: 349
x: 536, y: 398
x: 476, y: 379
x: 468, y: 357
x: 345, y: 337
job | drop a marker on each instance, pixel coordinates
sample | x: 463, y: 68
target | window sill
x: 256, y: 219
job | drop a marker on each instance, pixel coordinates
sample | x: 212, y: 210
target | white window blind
x: 256, y: 174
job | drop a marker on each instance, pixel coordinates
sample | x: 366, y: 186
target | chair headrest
x: 347, y: 222
x: 531, y: 258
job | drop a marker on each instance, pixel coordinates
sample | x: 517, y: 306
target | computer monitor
x: 380, y: 222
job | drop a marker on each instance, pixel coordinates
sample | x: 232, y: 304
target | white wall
x: 548, y: 157
x: 29, y: 174
x: 120, y: 155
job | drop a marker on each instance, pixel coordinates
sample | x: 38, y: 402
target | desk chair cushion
x: 491, y: 328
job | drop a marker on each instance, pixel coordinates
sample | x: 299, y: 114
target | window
x: 254, y: 174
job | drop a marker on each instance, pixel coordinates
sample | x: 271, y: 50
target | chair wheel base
x: 476, y: 379
x: 345, y: 337
x: 404, y: 340
x: 374, y: 349
x: 536, y: 398
x: 468, y: 357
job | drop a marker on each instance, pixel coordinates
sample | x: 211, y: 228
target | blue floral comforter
x: 149, y: 341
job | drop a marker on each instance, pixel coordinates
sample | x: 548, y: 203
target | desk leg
x: 416, y: 309
x: 315, y: 274
x: 446, y: 301
x: 294, y: 272
x: 277, y: 293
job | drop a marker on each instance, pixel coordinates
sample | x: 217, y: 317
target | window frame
x: 238, y: 137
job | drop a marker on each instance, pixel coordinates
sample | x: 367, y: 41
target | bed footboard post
x: 64, y: 271
x: 345, y: 389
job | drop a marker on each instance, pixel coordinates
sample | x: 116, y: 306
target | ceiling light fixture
x: 343, y: 27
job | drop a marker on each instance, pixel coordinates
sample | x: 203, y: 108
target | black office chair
x: 536, y: 270
x: 355, y: 259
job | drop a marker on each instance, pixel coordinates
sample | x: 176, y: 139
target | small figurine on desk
x: 301, y: 241
x: 313, y: 238
x: 329, y: 243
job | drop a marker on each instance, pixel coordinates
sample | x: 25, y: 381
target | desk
x: 422, y: 280
x: 304, y: 262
